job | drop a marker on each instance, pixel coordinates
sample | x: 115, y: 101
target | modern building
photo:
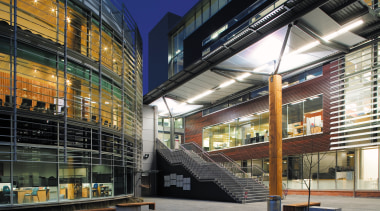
x: 70, y: 102
x: 158, y: 50
x: 221, y: 55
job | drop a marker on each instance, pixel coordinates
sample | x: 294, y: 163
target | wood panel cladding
x: 291, y: 146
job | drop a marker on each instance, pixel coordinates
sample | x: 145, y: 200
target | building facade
x: 70, y: 101
x: 158, y: 50
x: 330, y: 101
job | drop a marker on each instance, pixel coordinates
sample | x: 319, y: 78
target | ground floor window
x: 332, y: 170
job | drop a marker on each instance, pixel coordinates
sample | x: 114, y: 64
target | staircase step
x: 226, y: 180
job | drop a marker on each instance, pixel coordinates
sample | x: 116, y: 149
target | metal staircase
x: 216, y: 168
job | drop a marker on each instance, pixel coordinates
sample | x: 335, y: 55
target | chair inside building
x: 95, y: 190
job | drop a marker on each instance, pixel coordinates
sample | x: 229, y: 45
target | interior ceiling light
x: 295, y: 52
x: 303, y: 48
x: 227, y: 83
x: 326, y: 38
x: 343, y: 30
x: 241, y: 77
x: 200, y: 96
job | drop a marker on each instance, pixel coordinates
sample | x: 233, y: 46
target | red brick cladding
x: 321, y: 142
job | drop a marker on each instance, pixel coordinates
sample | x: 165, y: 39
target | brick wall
x: 314, y: 143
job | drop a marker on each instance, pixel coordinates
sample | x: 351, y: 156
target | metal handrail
x: 202, y: 171
x: 235, y: 168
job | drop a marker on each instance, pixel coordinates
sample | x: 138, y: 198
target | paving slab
x: 346, y: 203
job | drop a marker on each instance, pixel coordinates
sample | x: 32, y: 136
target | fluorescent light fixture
x: 343, y: 30
x: 304, y: 48
x: 227, y: 83
x: 241, y: 77
x: 327, y: 37
x: 214, y: 36
x: 200, y: 96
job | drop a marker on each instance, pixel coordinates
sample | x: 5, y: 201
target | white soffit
x: 265, y: 53
x: 207, y: 81
x: 324, y: 24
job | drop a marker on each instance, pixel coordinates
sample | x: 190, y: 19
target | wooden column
x: 275, y: 135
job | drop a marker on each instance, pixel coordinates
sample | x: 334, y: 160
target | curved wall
x: 70, y: 101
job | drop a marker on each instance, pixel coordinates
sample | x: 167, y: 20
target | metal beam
x: 314, y: 35
x: 167, y: 107
x: 283, y: 48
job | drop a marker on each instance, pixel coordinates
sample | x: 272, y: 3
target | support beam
x: 283, y: 48
x: 275, y: 135
x: 314, y: 35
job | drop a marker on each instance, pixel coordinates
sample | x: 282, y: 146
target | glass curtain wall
x: 164, y: 130
x: 300, y: 118
x: 78, y: 129
x: 332, y: 170
x: 194, y: 19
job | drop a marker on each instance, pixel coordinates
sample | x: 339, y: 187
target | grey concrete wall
x: 149, y: 135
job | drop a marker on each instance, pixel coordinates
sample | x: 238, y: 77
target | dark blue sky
x: 147, y: 13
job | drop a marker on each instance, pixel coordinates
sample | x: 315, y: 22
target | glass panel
x: 368, y: 172
x: 130, y: 180
x: 222, y: 3
x: 345, y: 170
x: 310, y: 168
x: 327, y: 170
x: 214, y: 7
x: 119, y: 180
x: 165, y: 138
x: 178, y: 123
x: 294, y: 172
x: 206, y: 12
x: 313, y: 115
x: 102, y: 181
x: 6, y: 185
x: 198, y: 19
x: 295, y: 119
x: 35, y: 182
x: 264, y: 127
x: 285, y: 133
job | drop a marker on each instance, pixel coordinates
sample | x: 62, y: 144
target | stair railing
x: 221, y: 159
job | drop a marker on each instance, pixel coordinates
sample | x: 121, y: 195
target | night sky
x: 147, y: 13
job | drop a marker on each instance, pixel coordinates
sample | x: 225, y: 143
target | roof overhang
x: 319, y: 31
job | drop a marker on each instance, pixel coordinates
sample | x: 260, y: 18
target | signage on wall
x: 177, y: 180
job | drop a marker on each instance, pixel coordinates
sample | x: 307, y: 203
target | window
x: 304, y: 117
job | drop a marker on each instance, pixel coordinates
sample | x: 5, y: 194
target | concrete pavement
x: 346, y: 203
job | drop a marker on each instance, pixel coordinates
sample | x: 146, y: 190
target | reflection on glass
x: 299, y: 118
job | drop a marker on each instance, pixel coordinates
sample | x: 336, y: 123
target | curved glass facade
x: 70, y: 101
